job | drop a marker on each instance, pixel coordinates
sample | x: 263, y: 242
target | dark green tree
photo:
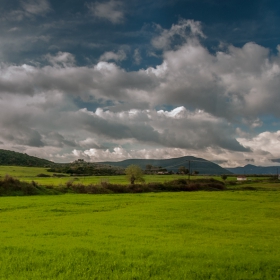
x: 224, y: 177
x: 149, y: 167
x: 183, y: 170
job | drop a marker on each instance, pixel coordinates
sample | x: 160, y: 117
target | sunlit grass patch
x: 201, y: 235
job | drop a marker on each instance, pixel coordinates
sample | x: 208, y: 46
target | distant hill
x: 250, y: 169
x: 18, y: 159
x: 196, y: 164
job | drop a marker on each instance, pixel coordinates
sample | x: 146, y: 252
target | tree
x: 183, y: 170
x: 224, y: 177
x: 149, y: 167
x: 134, y: 173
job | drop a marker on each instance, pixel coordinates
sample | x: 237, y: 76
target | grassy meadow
x: 232, y: 234
x: 29, y: 174
x: 198, y: 235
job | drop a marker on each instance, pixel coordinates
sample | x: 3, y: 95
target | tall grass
x: 194, y: 235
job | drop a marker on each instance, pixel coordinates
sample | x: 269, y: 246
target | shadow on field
x: 10, y: 186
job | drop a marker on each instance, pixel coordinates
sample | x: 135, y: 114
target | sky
x: 118, y: 79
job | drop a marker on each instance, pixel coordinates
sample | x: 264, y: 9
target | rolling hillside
x: 196, y: 164
x: 18, y: 159
x: 250, y: 169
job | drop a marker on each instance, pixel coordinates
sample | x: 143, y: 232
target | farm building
x: 241, y: 178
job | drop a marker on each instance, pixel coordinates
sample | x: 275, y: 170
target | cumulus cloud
x: 179, y: 128
x: 264, y: 147
x: 178, y: 33
x: 137, y: 56
x: 64, y: 59
x: 209, y: 96
x: 35, y: 7
x: 118, y: 56
x: 55, y: 139
x: 13, y: 29
x: 103, y: 81
x: 111, y: 11
x: 23, y: 136
x: 238, y: 84
x: 265, y: 142
x: 55, y: 122
x: 28, y: 9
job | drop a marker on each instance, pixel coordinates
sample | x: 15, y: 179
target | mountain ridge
x: 201, y: 165
x: 12, y: 158
x: 250, y: 169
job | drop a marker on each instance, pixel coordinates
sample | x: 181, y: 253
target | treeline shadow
x: 10, y: 186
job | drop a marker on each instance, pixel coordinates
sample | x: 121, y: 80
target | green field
x: 198, y: 235
x: 30, y: 174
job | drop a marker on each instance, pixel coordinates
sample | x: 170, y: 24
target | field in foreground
x: 201, y: 235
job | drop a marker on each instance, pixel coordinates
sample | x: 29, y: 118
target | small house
x: 241, y: 178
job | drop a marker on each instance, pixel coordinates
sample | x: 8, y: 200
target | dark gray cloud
x: 23, y: 136
x: 177, y: 129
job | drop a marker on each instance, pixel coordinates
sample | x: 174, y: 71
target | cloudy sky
x: 118, y: 79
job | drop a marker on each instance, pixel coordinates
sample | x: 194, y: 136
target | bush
x: 232, y: 183
x: 43, y: 175
x: 12, y: 186
x: 59, y: 175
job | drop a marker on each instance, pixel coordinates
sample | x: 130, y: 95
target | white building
x: 241, y: 178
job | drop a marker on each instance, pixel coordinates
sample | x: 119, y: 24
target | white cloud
x: 253, y: 123
x: 137, y: 56
x: 208, y: 96
x: 111, y: 11
x: 52, y: 120
x: 119, y: 56
x: 237, y: 83
x: 103, y: 81
x: 184, y: 30
x: 178, y: 129
x: 64, y: 59
x: 52, y: 127
x: 29, y: 9
x: 223, y: 157
x: 13, y: 29
x: 90, y: 143
x: 267, y: 142
x: 36, y: 7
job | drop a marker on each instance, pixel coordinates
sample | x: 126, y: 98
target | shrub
x: 116, y: 188
x: 69, y: 183
x: 43, y: 175
x: 232, y: 183
x: 59, y: 175
x: 12, y: 186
